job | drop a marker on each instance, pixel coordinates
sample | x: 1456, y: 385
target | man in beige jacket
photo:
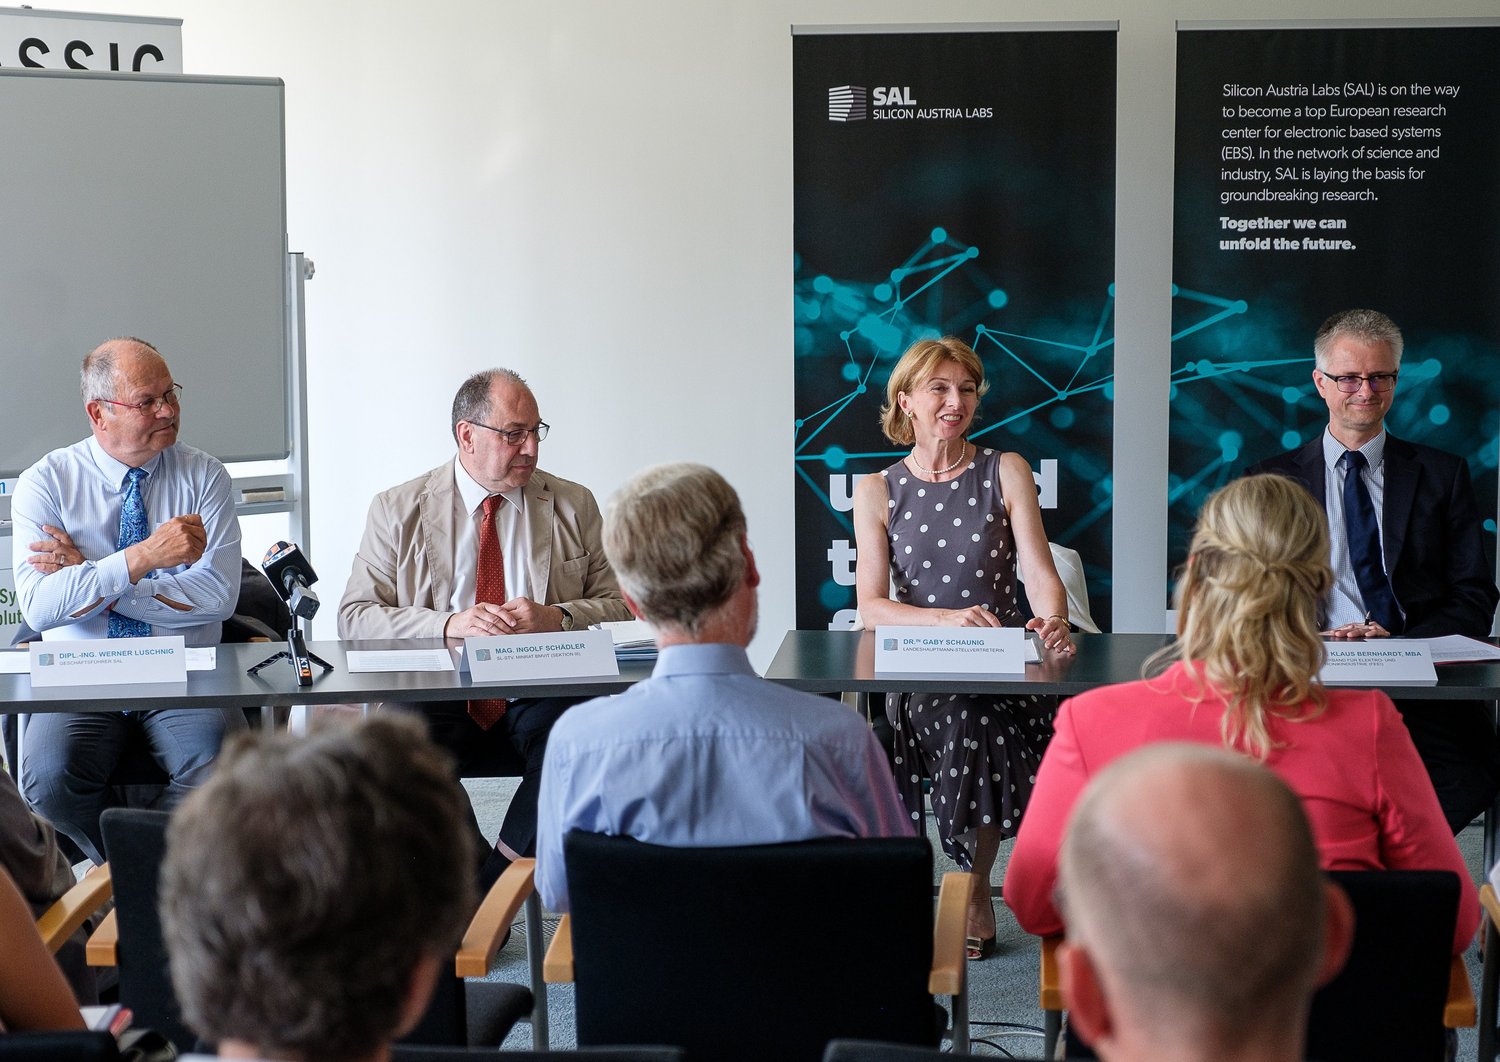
x: 484, y: 545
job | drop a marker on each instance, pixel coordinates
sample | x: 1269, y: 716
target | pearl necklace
x: 962, y: 452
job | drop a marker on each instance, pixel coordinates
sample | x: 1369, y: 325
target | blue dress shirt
x: 705, y: 753
x: 80, y: 489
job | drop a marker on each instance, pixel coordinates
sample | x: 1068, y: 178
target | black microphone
x: 292, y: 574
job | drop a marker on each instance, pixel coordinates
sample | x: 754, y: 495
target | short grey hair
x: 98, y: 377
x: 674, y: 535
x: 472, y: 402
x: 307, y: 879
x: 1372, y: 326
x: 1213, y: 910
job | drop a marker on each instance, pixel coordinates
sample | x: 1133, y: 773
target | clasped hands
x: 1356, y: 632
x: 1053, y: 632
x: 519, y: 615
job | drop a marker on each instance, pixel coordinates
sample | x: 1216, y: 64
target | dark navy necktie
x: 133, y: 529
x: 1363, y: 529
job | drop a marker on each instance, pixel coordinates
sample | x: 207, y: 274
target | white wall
x: 598, y: 194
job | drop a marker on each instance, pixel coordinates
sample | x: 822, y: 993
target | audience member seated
x: 314, y: 890
x: 1243, y: 675
x: 1199, y: 924
x: 34, y: 996
x: 957, y: 568
x: 29, y: 853
x: 704, y: 752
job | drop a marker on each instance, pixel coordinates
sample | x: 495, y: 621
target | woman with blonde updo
x: 1242, y: 673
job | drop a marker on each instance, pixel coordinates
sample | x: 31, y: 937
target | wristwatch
x: 567, y: 622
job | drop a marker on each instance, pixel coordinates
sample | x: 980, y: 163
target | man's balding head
x: 1190, y: 881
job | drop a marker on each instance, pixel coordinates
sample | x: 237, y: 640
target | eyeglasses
x: 517, y: 436
x: 1379, y: 382
x: 152, y: 406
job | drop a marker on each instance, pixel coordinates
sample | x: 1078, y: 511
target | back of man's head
x: 306, y: 882
x: 1189, y: 879
x: 675, y: 536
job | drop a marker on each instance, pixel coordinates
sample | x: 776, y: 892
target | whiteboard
x: 151, y: 206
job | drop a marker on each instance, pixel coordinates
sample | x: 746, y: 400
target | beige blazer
x: 403, y: 573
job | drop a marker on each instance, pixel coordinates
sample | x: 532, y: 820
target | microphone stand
x: 296, y: 652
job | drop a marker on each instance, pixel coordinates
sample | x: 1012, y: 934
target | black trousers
x: 1457, y: 743
x: 514, y: 746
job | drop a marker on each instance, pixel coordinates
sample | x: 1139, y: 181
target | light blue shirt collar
x: 712, y: 658
x: 115, y: 470
x: 1333, y: 450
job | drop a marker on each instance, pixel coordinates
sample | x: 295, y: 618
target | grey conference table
x: 227, y: 685
x: 839, y: 661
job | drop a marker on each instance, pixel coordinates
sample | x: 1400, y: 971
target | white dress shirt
x: 510, y: 525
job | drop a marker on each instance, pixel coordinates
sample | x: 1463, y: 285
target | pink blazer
x: 1366, y: 792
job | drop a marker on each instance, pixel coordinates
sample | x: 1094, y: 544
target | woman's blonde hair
x: 1248, y: 605
x: 920, y: 361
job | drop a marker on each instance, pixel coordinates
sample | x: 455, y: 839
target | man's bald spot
x: 1191, y: 874
x: 106, y: 363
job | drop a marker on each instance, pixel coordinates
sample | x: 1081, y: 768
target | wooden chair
x: 130, y: 938
x: 1401, y: 968
x: 1489, y: 988
x: 833, y: 938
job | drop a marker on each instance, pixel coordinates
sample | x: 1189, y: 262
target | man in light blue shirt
x: 128, y: 533
x: 704, y: 752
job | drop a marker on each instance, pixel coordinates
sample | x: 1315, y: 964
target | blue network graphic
x: 1052, y: 382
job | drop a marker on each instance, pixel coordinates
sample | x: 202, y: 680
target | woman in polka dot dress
x: 945, y: 526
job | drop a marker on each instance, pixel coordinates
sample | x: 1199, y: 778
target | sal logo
x: 892, y: 644
x: 481, y: 654
x: 44, y: 659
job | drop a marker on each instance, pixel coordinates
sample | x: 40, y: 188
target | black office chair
x: 131, y: 938
x: 1402, y: 984
x: 58, y: 1047
x: 759, y: 952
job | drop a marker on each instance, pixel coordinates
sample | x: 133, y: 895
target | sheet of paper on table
x: 634, y: 639
x: 365, y: 660
x: 1455, y: 648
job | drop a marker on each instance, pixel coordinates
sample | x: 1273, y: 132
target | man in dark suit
x: 1407, y: 555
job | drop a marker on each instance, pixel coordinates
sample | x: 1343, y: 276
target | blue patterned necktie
x: 133, y: 529
x: 1364, y: 546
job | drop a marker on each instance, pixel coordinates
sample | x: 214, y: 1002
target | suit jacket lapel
x: 1314, y: 468
x: 539, y: 521
x: 1401, y: 474
x: 436, y: 508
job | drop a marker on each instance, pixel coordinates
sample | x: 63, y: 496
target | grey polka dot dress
x: 951, y: 547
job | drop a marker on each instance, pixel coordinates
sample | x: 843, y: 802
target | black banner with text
x: 1319, y: 170
x: 963, y: 184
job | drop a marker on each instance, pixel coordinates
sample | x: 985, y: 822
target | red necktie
x: 489, y: 588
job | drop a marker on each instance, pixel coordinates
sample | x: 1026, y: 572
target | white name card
x: 570, y: 654
x: 108, y: 661
x: 1381, y: 662
x: 951, y: 650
